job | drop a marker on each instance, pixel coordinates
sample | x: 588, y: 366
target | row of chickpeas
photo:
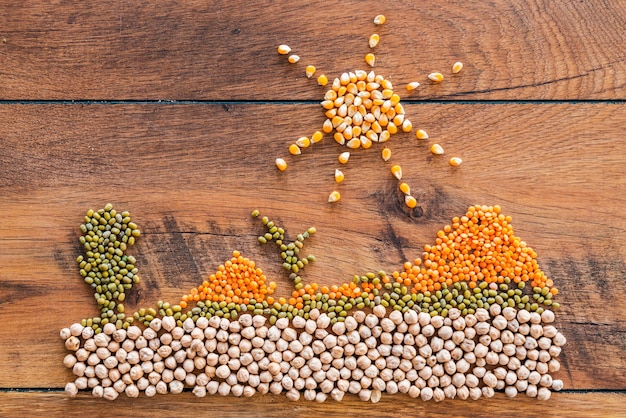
x: 367, y: 355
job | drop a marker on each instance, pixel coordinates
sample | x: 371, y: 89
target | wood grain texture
x: 197, y: 50
x: 191, y: 174
x: 185, y: 105
x: 582, y: 405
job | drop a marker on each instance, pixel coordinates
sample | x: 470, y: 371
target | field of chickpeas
x: 430, y: 224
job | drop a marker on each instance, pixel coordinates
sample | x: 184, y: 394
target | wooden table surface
x: 176, y: 111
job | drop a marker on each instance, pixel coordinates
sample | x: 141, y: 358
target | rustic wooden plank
x: 190, y: 175
x: 198, y: 50
x: 576, y: 405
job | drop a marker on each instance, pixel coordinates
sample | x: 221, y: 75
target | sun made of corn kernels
x: 362, y: 109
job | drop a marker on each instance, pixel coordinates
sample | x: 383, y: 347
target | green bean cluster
x: 106, y: 235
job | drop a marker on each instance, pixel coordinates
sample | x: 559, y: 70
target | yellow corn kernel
x: 366, y: 143
x: 407, y: 126
x: 435, y: 77
x: 436, y: 149
x: 330, y: 95
x: 457, y: 67
x: 316, y: 137
x: 338, y: 175
x: 294, y: 149
x: 328, y: 104
x: 384, y: 136
x: 398, y: 120
x: 347, y: 133
x: 404, y: 188
x: 331, y: 113
x: 392, y: 128
x: 322, y: 80
x: 293, y: 58
x: 455, y: 161
x: 386, y: 84
x: 344, y: 157
x: 421, y: 134
x: 283, y: 49
x: 412, y: 85
x: 410, y: 201
x: 386, y: 154
x: 303, y: 142
x: 353, y: 143
x: 356, y: 131
x: 342, y: 111
x: 370, y: 59
x: 396, y: 170
x: 374, y: 39
x: 380, y: 19
x: 338, y: 136
x: 394, y: 99
x: 309, y: 71
x: 337, y: 120
x: 334, y: 197
x: 281, y: 164
x: 327, y: 127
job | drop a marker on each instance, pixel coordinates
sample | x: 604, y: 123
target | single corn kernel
x: 404, y: 188
x: 334, y: 197
x: 322, y: 80
x: 407, y: 126
x: 410, y: 201
x: 421, y: 134
x: 293, y: 58
x: 281, y: 164
x: 374, y: 39
x: 344, y: 157
x: 309, y: 71
x: 386, y: 154
x: 366, y: 143
x: 412, y: 85
x: 455, y: 161
x: 396, y: 170
x: 338, y: 175
x: 436, y: 149
x: 316, y: 137
x: 327, y: 126
x: 435, y: 77
x: 283, y: 49
x: 457, y: 67
x: 339, y: 138
x: 380, y: 19
x: 370, y: 59
x: 303, y: 142
x: 354, y: 143
x: 294, y: 149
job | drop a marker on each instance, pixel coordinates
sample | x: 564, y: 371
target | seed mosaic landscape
x: 459, y: 322
x: 471, y: 316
